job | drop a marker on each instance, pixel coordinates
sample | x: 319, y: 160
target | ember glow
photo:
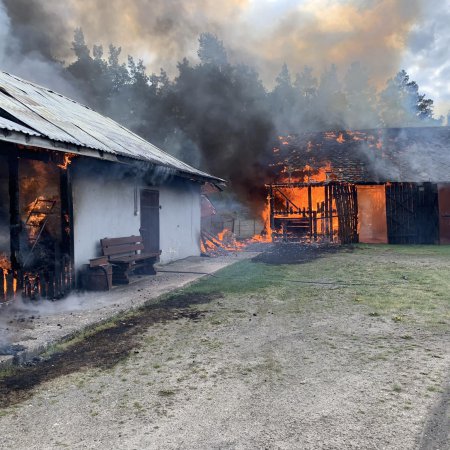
x: 67, y: 160
x: 9, y: 282
x: 5, y: 267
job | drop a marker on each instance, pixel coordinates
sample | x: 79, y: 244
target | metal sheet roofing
x: 8, y: 125
x: 42, y: 112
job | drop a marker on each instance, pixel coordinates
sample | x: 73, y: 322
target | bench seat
x: 126, y: 255
x: 131, y: 258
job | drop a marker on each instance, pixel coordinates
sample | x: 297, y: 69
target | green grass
x: 401, y: 283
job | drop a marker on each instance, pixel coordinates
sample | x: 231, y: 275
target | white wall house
x: 105, y: 206
x: 99, y: 180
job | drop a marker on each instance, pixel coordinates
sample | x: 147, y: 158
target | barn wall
x: 104, y: 206
x: 372, y: 224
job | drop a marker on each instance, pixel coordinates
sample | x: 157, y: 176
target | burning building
x: 376, y: 186
x: 70, y: 177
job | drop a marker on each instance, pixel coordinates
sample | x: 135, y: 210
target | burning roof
x: 60, y: 123
x: 419, y: 154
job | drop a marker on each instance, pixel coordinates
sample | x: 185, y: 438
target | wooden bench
x: 126, y: 254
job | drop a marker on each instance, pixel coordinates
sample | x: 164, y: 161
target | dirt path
x: 247, y: 363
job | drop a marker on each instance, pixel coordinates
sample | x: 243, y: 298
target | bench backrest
x: 121, y: 246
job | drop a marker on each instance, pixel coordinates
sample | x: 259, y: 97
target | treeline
x: 220, y: 116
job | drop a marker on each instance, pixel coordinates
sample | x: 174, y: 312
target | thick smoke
x: 313, y: 33
x: 320, y: 32
x: 29, y: 40
x: 231, y: 139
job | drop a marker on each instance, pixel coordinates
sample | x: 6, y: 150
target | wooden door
x: 150, y: 220
x: 444, y: 213
x: 412, y: 213
x: 347, y: 210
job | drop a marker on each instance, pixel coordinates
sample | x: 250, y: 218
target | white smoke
x: 23, y: 309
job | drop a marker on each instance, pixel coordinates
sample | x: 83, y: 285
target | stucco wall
x: 104, y: 206
x: 179, y: 220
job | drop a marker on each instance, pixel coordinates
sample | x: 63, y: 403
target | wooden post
x: 271, y: 207
x: 315, y: 224
x: 67, y: 243
x: 14, y: 211
x: 330, y: 210
x: 310, y: 211
x: 327, y: 218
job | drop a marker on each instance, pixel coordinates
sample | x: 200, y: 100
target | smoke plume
x: 314, y: 33
x: 30, y: 42
x: 223, y: 122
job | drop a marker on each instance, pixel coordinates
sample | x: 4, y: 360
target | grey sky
x: 427, y: 58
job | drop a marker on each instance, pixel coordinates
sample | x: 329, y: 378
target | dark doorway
x: 412, y: 213
x: 444, y: 213
x: 150, y: 220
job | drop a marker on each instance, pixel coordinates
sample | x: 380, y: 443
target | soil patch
x: 297, y: 253
x: 102, y: 349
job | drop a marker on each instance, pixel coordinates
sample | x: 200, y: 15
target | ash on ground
x: 297, y: 253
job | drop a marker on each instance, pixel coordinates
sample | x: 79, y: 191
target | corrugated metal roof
x: 61, y: 119
x: 6, y: 124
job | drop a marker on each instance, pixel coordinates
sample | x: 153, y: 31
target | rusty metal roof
x: 38, y: 111
x: 415, y: 154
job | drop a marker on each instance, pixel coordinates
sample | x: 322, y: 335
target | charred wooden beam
x: 326, y: 208
x: 310, y: 211
x: 288, y: 200
x: 67, y: 244
x: 14, y: 210
x: 271, y: 208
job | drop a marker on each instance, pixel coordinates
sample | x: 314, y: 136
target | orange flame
x: 67, y: 161
x: 5, y: 266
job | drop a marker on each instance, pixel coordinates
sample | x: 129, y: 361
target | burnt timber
x: 407, y: 172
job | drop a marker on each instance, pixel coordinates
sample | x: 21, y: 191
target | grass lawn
x: 404, y: 283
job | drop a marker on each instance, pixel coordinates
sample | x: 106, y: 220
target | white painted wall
x: 104, y: 206
x: 179, y: 220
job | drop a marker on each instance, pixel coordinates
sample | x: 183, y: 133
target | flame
x: 5, y: 266
x: 5, y: 281
x: 67, y: 161
x: 330, y: 135
x: 307, y: 174
x: 34, y: 220
x: 340, y: 138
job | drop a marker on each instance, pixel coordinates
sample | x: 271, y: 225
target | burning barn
x: 70, y: 177
x: 377, y: 186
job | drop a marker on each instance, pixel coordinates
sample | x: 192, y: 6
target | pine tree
x: 401, y: 104
x: 211, y: 50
